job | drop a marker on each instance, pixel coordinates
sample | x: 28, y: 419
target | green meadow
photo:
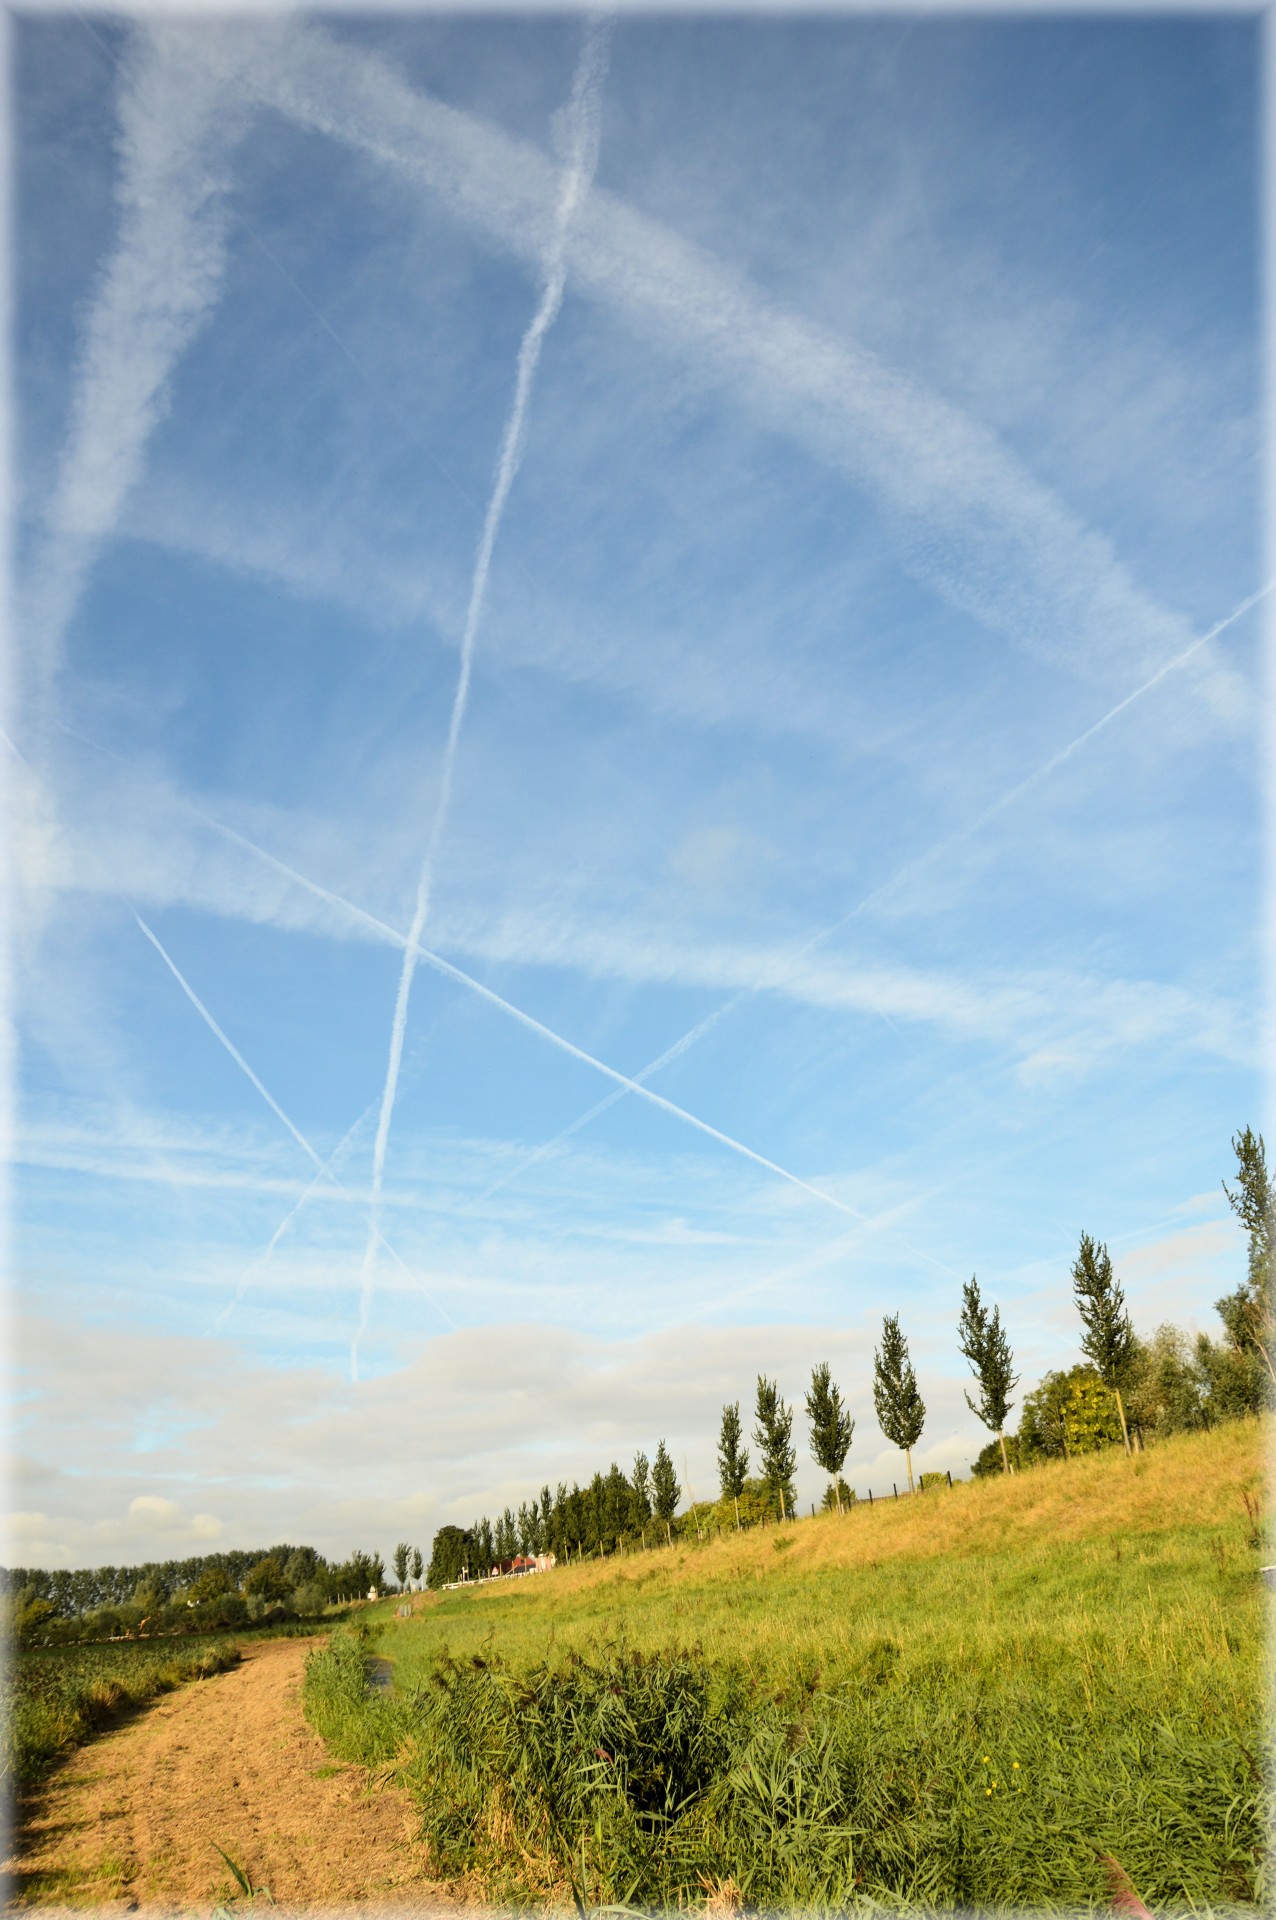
x: 980, y: 1698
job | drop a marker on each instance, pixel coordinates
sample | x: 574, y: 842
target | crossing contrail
x: 324, y: 1169
x: 609, y: 1100
x: 910, y: 867
x: 458, y: 974
x: 584, y: 119
x: 263, y: 1259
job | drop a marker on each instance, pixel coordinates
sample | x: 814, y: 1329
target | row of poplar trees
x: 901, y: 1411
x: 1108, y: 1342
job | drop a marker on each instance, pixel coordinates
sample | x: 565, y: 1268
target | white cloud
x: 177, y: 125
x: 476, y: 1419
x: 969, y: 518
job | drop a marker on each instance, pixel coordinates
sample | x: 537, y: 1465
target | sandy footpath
x: 130, y: 1821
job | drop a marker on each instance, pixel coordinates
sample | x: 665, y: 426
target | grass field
x: 961, y: 1700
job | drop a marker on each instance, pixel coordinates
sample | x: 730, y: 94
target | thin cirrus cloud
x: 970, y: 520
x: 178, y: 122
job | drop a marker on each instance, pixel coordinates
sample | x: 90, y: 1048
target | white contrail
x: 263, y: 1259
x: 584, y: 123
x: 965, y: 514
x: 458, y: 974
x: 178, y: 122
x: 910, y: 867
x: 609, y: 1100
x: 325, y: 1171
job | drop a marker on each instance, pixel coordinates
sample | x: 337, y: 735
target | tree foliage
x: 1249, y: 1314
x: 1107, y: 1339
x: 454, y: 1551
x: 901, y: 1411
x: 773, y: 1431
x: 831, y: 1428
x: 665, y: 1491
x: 733, y: 1458
x: 983, y: 1342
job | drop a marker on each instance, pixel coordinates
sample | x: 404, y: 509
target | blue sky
x: 843, y: 692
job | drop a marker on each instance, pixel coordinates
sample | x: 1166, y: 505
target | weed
x: 248, y: 1894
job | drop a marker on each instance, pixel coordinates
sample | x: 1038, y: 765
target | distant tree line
x: 615, y: 1509
x: 205, y: 1593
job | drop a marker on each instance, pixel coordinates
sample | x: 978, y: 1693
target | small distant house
x: 372, y: 1593
x: 544, y: 1561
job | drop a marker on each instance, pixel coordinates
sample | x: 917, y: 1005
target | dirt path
x: 130, y: 1820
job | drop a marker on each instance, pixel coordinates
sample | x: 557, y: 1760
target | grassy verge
x: 962, y: 1701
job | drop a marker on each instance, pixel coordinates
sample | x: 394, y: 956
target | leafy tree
x: 901, y: 1411
x: 773, y: 1433
x: 210, y: 1584
x: 402, y: 1555
x: 1068, y: 1414
x: 984, y: 1343
x: 733, y: 1459
x: 665, y: 1491
x: 267, y: 1581
x: 1249, y: 1313
x: 991, y: 1459
x: 452, y: 1552
x: 831, y: 1429
x: 640, y: 1480
x: 418, y: 1565
x: 1108, y: 1341
x: 1167, y: 1391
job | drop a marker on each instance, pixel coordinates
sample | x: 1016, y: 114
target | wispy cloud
x: 969, y: 519
x: 178, y: 123
x: 583, y: 124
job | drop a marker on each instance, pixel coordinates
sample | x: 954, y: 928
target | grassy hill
x: 963, y: 1699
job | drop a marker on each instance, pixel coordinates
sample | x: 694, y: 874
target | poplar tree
x: 773, y: 1433
x: 665, y: 1490
x: 641, y: 1483
x: 901, y: 1411
x: 1108, y: 1340
x: 418, y: 1565
x: 1249, y: 1313
x: 733, y: 1459
x: 402, y: 1553
x: 831, y: 1427
x: 984, y: 1343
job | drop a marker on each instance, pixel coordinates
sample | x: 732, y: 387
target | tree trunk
x: 668, y: 1535
x: 1005, y: 1458
x: 1125, y: 1431
x: 908, y: 1456
x: 837, y: 1495
x: 736, y: 1498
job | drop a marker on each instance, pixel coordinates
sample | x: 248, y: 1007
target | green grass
x: 958, y: 1701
